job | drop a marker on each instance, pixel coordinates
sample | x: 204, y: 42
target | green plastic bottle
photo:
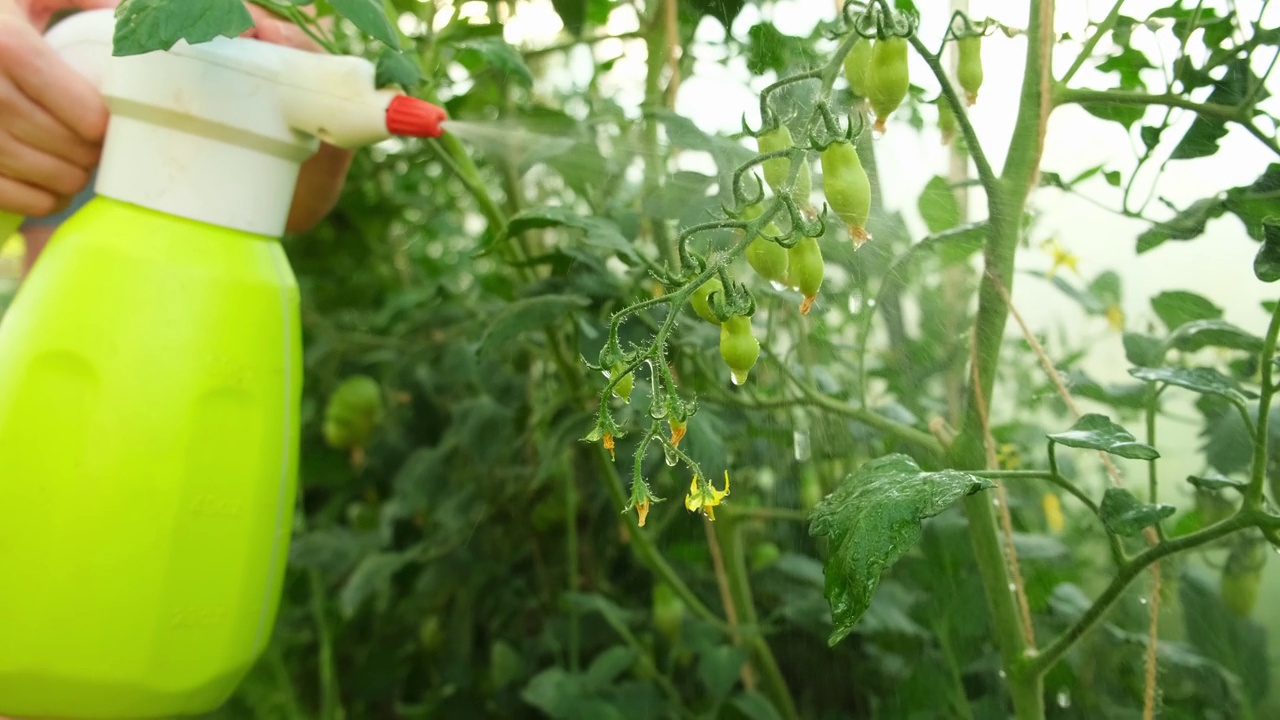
x: 149, y: 423
x: 150, y: 382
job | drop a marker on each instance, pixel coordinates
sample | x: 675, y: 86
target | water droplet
x: 800, y: 441
x: 1142, y: 600
x: 855, y: 304
x: 1002, y: 674
x: 671, y: 456
x: 778, y: 286
x: 738, y: 378
x: 1012, y: 587
x: 1064, y: 699
x: 871, y: 303
x: 995, y: 502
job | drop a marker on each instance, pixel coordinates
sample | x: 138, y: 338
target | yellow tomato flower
x: 1115, y: 318
x: 704, y: 496
x: 1061, y: 258
x: 1053, y: 513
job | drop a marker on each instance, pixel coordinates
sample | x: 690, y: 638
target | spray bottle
x: 151, y: 375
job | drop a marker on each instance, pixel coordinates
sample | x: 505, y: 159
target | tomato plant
x: 942, y: 504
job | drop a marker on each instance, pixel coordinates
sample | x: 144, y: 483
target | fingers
x: 37, y: 72
x: 52, y: 122
x: 271, y: 28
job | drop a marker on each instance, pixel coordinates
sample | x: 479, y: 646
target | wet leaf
x: 871, y: 520
x: 1215, y: 481
x: 1097, y: 432
x: 1125, y: 514
x: 1201, y: 380
x: 1266, y: 264
x: 397, y: 68
x: 1200, y: 334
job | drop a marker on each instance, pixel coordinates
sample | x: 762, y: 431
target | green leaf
x: 372, y: 575
x: 770, y: 50
x: 1122, y: 113
x: 528, y: 314
x: 1112, y: 177
x: 1176, y: 308
x: 369, y: 17
x: 1097, y: 432
x: 496, y: 54
x: 1266, y: 264
x: 573, y: 13
x: 1216, y: 481
x: 1186, y: 225
x: 723, y: 10
x: 719, y: 668
x: 1150, y: 136
x: 1200, y: 334
x: 1142, y: 349
x: 1128, y: 64
x: 144, y: 26
x: 1125, y: 514
x: 396, y: 68
x: 871, y: 520
x: 755, y: 707
x: 608, y: 665
x: 599, y: 232
x: 1256, y: 202
x: 1202, y: 380
x: 1201, y: 139
x: 938, y: 205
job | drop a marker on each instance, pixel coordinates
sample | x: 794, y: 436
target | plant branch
x: 1127, y: 573
x: 1253, y: 497
x: 985, y: 172
x: 1104, y: 27
x: 1210, y: 111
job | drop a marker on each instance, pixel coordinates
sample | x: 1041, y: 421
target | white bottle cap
x: 218, y: 131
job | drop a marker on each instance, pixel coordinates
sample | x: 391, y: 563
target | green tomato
x: 625, y: 385
x: 969, y: 66
x: 888, y: 78
x: 847, y: 188
x: 739, y: 347
x: 767, y: 258
x: 777, y: 169
x: 806, y: 270
x: 764, y: 555
x: 353, y: 411
x: 668, y: 612
x: 856, y: 64
x: 700, y: 300
x: 946, y: 120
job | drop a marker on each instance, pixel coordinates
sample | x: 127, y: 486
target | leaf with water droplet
x: 1216, y: 481
x: 1202, y: 380
x: 1097, y: 432
x: 1124, y: 514
x: 871, y: 520
x: 1266, y: 264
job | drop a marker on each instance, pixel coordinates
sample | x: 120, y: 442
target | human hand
x: 52, y: 120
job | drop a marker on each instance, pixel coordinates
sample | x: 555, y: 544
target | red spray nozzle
x: 411, y: 117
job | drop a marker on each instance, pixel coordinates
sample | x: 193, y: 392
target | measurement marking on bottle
x: 213, y: 506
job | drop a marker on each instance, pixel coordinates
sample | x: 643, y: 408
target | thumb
x: 271, y: 28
